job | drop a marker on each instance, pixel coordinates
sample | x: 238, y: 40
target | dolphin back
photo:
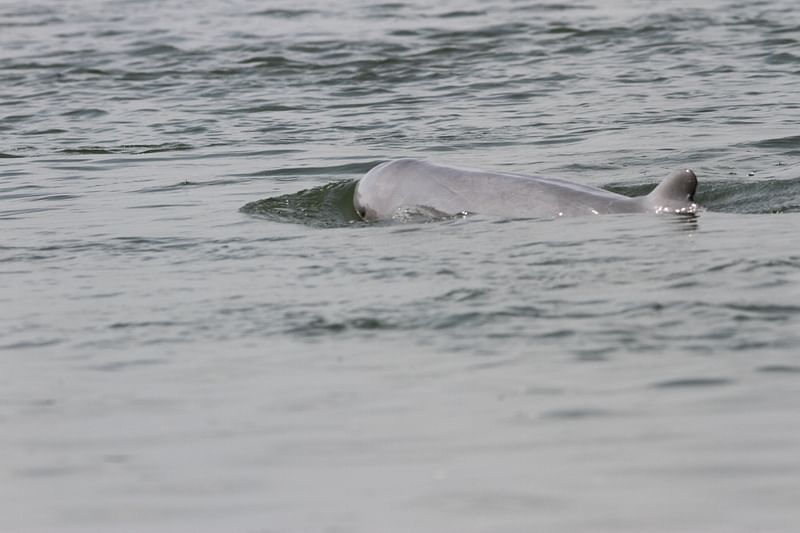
x: 405, y: 185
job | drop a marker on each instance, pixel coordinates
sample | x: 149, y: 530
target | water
x: 173, y: 362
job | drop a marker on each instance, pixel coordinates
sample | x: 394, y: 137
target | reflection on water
x: 688, y: 222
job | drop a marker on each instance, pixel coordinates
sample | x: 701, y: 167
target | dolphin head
x: 675, y: 194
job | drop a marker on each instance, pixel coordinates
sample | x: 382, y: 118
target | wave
x: 751, y: 197
x: 327, y: 206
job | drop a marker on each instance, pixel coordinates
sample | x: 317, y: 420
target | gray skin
x: 395, y: 188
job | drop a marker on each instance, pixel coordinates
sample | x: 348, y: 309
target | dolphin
x: 395, y: 188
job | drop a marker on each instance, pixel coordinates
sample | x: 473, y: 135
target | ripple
x: 55, y: 197
x: 462, y: 295
x: 333, y: 170
x: 766, y: 311
x: 149, y: 49
x: 117, y: 366
x: 320, y: 325
x: 128, y: 149
x: 691, y: 383
x: 85, y: 113
x: 779, y: 369
x: 28, y: 344
x: 782, y: 58
x: 460, y: 14
x: 576, y: 413
x: 184, y: 184
x: 284, y: 13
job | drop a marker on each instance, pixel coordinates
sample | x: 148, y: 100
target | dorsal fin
x: 679, y: 186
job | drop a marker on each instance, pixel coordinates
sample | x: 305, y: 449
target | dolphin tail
x: 677, y: 188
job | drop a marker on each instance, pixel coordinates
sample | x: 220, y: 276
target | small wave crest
x: 751, y: 197
x: 324, y: 207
